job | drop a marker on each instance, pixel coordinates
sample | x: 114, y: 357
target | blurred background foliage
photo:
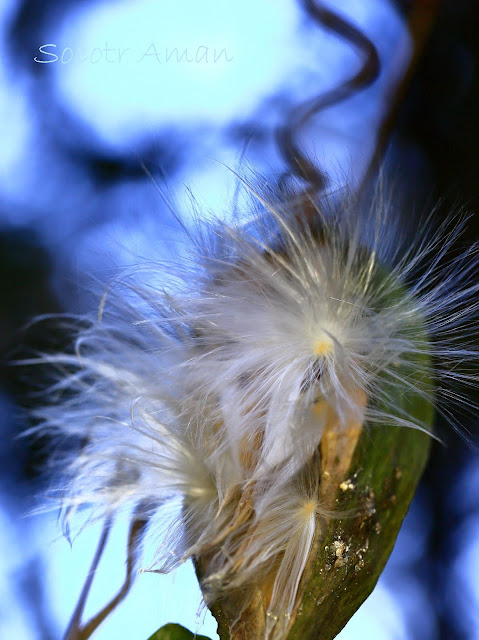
x: 75, y: 201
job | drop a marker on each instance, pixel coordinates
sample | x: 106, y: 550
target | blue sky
x: 103, y: 95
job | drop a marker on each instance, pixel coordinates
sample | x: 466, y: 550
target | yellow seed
x: 323, y: 346
x: 308, y: 508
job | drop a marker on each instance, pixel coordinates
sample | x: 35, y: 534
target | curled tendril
x: 286, y: 135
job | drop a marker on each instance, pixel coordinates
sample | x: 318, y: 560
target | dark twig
x: 369, y: 71
x: 135, y: 536
x: 420, y: 22
x: 73, y: 631
x: 76, y: 631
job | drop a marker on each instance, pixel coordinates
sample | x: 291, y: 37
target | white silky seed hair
x: 216, y: 389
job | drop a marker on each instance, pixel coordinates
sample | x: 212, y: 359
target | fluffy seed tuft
x: 215, y: 389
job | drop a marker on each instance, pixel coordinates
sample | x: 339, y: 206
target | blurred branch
x: 420, y: 21
x: 137, y: 531
x: 73, y: 631
x: 367, y: 74
x: 135, y: 536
